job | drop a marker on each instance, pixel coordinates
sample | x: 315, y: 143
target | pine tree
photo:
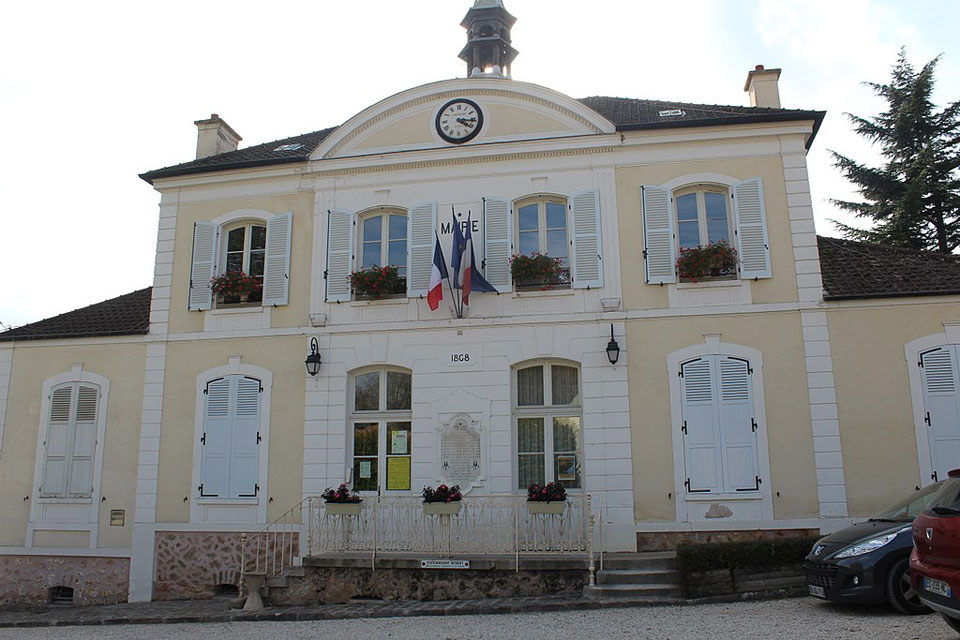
x: 914, y: 198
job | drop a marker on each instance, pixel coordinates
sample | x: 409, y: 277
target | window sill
x: 527, y: 292
x: 719, y: 281
x: 237, y: 308
x: 52, y: 500
x: 715, y: 497
x: 240, y: 501
x: 400, y: 298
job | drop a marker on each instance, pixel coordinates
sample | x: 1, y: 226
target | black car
x: 869, y: 562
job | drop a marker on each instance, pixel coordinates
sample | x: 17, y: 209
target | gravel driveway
x: 801, y: 618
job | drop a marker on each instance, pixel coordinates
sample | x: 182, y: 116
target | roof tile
x: 125, y: 315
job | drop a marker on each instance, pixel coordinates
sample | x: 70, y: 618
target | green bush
x: 760, y: 554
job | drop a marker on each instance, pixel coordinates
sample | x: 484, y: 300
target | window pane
x: 687, y: 207
x: 529, y: 242
x: 556, y: 215
x: 372, y: 228
x: 530, y: 470
x: 371, y: 254
x: 364, y: 474
x: 398, y: 254
x: 365, y: 438
x: 398, y: 227
x: 258, y: 238
x: 717, y: 228
x: 256, y: 263
x: 557, y: 244
x: 398, y: 438
x: 528, y: 218
x: 367, y: 393
x: 235, y: 261
x: 567, y: 442
x: 689, y: 233
x: 235, y: 239
x: 530, y: 387
x: 530, y: 435
x: 398, y: 390
x: 398, y: 473
x: 565, y: 387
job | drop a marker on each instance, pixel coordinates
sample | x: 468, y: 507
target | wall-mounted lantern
x: 613, y: 349
x: 313, y: 360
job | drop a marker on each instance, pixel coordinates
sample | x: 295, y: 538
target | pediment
x: 512, y: 112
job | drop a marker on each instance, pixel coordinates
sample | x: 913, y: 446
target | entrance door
x: 940, y: 368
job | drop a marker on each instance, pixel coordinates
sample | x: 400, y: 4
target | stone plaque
x: 460, y: 453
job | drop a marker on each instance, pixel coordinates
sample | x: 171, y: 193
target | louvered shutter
x: 339, y: 255
x: 659, y: 252
x: 245, y: 446
x: 215, y: 441
x: 737, y: 434
x: 497, y: 243
x: 752, y: 243
x: 941, y: 399
x: 701, y: 441
x: 84, y: 442
x: 276, y: 272
x: 203, y: 266
x: 586, y: 259
x: 420, y: 231
x: 54, y: 483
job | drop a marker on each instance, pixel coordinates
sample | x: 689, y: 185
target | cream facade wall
x: 121, y: 361
x: 874, y: 394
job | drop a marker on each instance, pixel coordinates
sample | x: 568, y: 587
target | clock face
x: 459, y: 120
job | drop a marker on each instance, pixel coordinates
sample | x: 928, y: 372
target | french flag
x: 438, y: 272
x: 467, y: 277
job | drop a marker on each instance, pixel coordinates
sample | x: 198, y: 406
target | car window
x: 946, y: 499
x: 911, y: 506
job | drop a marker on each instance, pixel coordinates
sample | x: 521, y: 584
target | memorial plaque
x: 460, y: 454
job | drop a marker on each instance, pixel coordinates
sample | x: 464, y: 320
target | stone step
x: 649, y: 560
x: 635, y: 591
x: 295, y: 571
x: 638, y: 576
x: 277, y: 582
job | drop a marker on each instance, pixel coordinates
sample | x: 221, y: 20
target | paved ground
x: 800, y: 618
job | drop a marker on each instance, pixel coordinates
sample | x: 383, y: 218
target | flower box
x: 538, y: 272
x: 343, y: 508
x: 236, y: 287
x: 550, y: 508
x: 442, y: 508
x: 376, y: 283
x: 712, y: 261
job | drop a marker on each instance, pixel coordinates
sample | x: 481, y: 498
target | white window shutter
x: 701, y: 434
x: 497, y: 243
x: 54, y: 483
x: 586, y: 261
x: 84, y: 442
x: 340, y: 234
x: 659, y: 250
x: 276, y: 273
x: 752, y: 243
x: 941, y: 399
x: 737, y: 425
x: 245, y: 437
x: 421, y: 223
x: 203, y: 266
x: 215, y: 440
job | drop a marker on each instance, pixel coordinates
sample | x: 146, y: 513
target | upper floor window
x: 702, y: 214
x: 548, y: 413
x: 71, y: 441
x: 245, y: 251
x: 383, y: 242
x: 542, y: 229
x: 380, y: 430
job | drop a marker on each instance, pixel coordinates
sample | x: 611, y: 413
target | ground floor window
x: 381, y: 433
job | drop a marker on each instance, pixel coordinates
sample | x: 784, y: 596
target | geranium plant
x: 233, y: 285
x: 340, y: 495
x: 443, y: 493
x: 377, y: 282
x: 538, y: 269
x: 550, y: 492
x: 715, y: 259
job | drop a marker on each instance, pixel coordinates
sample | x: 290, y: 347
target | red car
x: 935, y: 560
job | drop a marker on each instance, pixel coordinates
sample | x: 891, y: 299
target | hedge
x: 760, y: 554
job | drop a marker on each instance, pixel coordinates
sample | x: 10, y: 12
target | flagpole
x: 449, y: 284
x: 457, y: 298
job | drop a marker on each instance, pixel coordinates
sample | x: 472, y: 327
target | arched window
x: 71, y: 440
x: 383, y: 242
x: 244, y: 250
x: 232, y: 434
x: 380, y: 429
x: 703, y: 215
x: 548, y: 413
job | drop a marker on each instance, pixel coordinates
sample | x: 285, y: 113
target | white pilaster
x: 6, y: 367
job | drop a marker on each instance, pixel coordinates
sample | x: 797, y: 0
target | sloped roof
x: 852, y: 270
x: 125, y: 315
x: 627, y: 114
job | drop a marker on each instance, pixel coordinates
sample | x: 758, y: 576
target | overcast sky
x: 94, y: 93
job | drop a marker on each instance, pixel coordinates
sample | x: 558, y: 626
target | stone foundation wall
x: 190, y: 565
x: 27, y: 580
x: 329, y: 585
x: 721, y: 582
x: 670, y: 540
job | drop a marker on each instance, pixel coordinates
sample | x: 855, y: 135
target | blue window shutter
x: 585, y: 261
x: 276, y: 275
x: 203, y: 266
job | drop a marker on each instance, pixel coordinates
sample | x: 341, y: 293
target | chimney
x: 762, y: 86
x: 215, y: 136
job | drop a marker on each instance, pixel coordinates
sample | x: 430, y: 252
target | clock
x: 459, y: 121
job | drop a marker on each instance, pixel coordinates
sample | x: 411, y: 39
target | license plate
x: 816, y: 591
x: 936, y: 586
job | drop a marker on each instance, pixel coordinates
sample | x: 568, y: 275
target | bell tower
x: 488, y: 51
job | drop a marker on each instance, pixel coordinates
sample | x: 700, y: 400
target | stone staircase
x: 650, y: 576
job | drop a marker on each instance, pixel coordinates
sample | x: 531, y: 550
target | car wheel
x: 953, y: 623
x: 900, y: 593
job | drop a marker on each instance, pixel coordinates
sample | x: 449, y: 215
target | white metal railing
x: 275, y: 547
